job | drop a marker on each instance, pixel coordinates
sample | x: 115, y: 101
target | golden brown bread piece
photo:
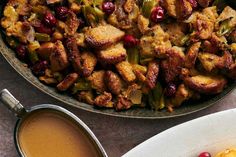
x: 172, y: 65
x: 155, y: 42
x: 170, y: 6
x: 126, y: 71
x: 88, y: 63
x: 58, y: 58
x: 212, y: 61
x: 103, y: 36
x: 206, y: 84
x: 227, y: 14
x: 113, y: 54
x: 143, y: 24
x: 209, y: 61
x: 68, y: 81
x: 184, y: 9
x: 204, y: 27
x: 97, y: 80
x: 152, y: 74
x: 203, y: 23
x: 179, y: 9
x: 182, y: 94
x: 113, y: 82
x: 192, y: 54
x: 104, y: 100
x: 72, y: 24
x: 45, y: 50
x: 176, y: 32
x: 129, y: 5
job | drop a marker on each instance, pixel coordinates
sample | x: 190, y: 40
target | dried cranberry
x: 194, y: 3
x: 157, y: 14
x: 130, y: 41
x: 21, y: 52
x: 49, y: 19
x: 204, y: 154
x: 61, y: 12
x: 108, y: 7
x: 170, y: 90
x: 39, y: 68
x: 43, y: 29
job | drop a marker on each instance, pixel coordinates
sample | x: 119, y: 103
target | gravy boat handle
x: 12, y: 103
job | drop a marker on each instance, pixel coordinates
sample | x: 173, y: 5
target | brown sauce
x: 50, y: 134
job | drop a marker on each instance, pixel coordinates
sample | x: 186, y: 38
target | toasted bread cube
x: 103, y: 36
x: 112, y: 55
x: 126, y: 71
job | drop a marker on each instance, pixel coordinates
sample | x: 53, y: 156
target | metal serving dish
x: 185, y: 109
x: 18, y: 109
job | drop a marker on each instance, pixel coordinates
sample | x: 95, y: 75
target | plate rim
x: 182, y: 126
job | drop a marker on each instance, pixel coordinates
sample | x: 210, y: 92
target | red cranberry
x: 130, y: 41
x: 193, y: 3
x: 108, y: 7
x: 61, y: 12
x: 39, y: 68
x: 204, y: 154
x: 49, y: 19
x: 21, y: 51
x: 43, y: 29
x: 157, y: 14
x: 170, y: 90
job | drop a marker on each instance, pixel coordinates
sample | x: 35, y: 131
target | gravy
x: 50, y: 134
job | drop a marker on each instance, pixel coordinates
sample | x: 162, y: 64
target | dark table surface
x: 117, y: 135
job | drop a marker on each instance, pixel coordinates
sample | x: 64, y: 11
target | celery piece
x: 33, y: 57
x: 224, y: 28
x: 156, y: 97
x: 147, y: 7
x: 133, y: 55
x: 42, y: 37
x: 81, y: 85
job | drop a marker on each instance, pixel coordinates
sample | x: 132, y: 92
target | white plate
x: 212, y: 133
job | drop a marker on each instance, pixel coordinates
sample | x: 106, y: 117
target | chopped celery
x: 133, y: 55
x: 147, y: 7
x: 33, y: 56
x: 156, y: 97
x: 224, y: 28
x: 81, y: 85
x: 42, y: 37
x: 140, y: 68
x: 184, y: 40
x: 92, y: 15
x: 144, y: 61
